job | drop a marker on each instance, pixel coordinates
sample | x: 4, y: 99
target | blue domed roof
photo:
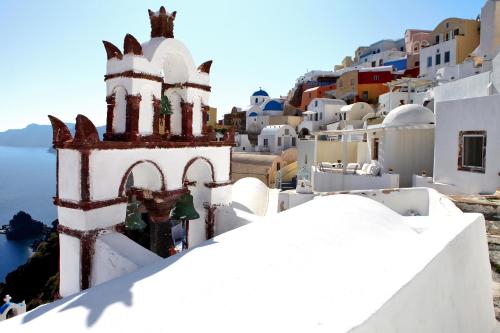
x: 260, y: 93
x: 273, y: 106
x: 253, y: 114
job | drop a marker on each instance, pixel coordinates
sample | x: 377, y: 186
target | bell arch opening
x: 145, y: 175
x: 197, y: 173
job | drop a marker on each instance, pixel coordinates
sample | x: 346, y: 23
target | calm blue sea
x: 27, y: 182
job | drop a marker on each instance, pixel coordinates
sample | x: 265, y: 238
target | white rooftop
x: 339, y: 263
x: 409, y: 114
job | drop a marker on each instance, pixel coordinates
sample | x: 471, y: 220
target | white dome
x: 410, y: 114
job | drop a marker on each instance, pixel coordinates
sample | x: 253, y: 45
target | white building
x: 259, y: 97
x: 467, y: 147
x: 407, y: 91
x: 261, y: 108
x: 427, y: 273
x: 321, y: 112
x: 394, y: 151
x: 276, y: 138
x: 381, y: 52
x: 352, y: 116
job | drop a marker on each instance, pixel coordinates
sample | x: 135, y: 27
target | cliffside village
x: 417, y: 111
x: 256, y: 224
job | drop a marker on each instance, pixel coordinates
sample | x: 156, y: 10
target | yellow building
x: 212, y: 117
x: 347, y: 86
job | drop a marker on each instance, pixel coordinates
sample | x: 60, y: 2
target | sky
x: 52, y: 60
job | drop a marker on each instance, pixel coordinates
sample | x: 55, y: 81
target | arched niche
x: 143, y: 175
x: 198, y: 172
x: 120, y: 110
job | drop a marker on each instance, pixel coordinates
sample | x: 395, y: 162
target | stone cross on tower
x: 7, y: 299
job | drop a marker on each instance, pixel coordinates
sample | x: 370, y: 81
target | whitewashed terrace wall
x: 330, y: 182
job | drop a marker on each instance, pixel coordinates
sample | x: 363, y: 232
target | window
x: 279, y: 141
x: 320, y: 116
x: 456, y: 32
x: 437, y: 39
x: 266, y: 142
x: 256, y: 100
x: 364, y: 96
x: 472, y: 151
x: 287, y: 131
x: 381, y: 62
x: 447, y: 57
x: 429, y: 62
x: 438, y: 59
x: 375, y: 149
x: 316, y: 103
x: 374, y: 64
x: 294, y: 142
x: 417, y: 63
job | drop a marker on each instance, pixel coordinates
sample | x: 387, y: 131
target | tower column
x: 156, y: 116
x: 132, y: 121
x: 187, y: 119
x: 110, y: 101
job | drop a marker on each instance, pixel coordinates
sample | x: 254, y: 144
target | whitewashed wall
x: 105, y: 181
x: 331, y: 182
x: 472, y: 114
x: 407, y: 152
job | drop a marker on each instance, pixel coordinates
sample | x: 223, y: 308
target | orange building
x: 316, y: 92
x: 364, y: 85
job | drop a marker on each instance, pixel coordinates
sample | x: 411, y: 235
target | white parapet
x: 332, y: 181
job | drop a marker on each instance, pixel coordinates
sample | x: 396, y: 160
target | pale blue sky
x: 52, y: 60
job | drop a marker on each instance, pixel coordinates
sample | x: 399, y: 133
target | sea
x: 27, y: 182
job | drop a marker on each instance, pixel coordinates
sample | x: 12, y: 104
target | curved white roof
x: 410, y: 114
x: 356, y: 106
x: 303, y: 270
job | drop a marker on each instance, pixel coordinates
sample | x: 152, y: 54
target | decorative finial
x: 205, y: 67
x: 131, y: 45
x: 7, y: 299
x: 162, y: 23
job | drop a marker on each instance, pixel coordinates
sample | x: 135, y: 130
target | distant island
x: 22, y: 227
x: 34, y: 135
